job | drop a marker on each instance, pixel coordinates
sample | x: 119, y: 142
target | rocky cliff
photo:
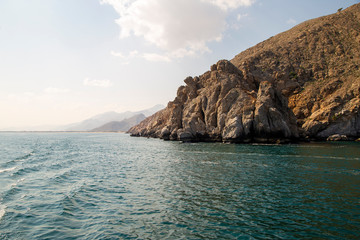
x: 303, y: 83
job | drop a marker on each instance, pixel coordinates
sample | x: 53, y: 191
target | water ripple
x: 7, y: 169
x: 110, y: 186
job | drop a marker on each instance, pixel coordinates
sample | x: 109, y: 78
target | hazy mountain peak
x: 104, y: 118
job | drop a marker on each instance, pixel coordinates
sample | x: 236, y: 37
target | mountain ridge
x: 120, y: 126
x: 303, y: 83
x: 89, y: 123
x: 104, y: 118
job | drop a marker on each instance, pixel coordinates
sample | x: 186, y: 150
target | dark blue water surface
x: 112, y: 186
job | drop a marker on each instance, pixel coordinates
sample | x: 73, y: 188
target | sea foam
x: 7, y: 169
x: 2, y: 210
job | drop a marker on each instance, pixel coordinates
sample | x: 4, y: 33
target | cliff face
x: 303, y: 83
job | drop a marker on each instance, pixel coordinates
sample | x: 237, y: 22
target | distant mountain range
x: 105, y: 118
x: 101, y: 122
x: 120, y: 126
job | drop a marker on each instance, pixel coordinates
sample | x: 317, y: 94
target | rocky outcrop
x: 303, y: 83
x: 337, y: 137
x: 220, y: 106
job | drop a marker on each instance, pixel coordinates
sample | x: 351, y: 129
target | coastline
x: 57, y: 132
x: 255, y: 140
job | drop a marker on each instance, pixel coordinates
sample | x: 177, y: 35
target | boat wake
x: 7, y: 169
x: 2, y: 210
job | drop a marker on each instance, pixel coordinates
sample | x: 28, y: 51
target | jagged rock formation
x: 303, y: 83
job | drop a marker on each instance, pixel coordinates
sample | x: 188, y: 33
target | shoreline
x: 57, y: 132
x: 279, y: 141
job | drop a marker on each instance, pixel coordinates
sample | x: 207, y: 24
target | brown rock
x: 273, y: 118
x: 337, y: 137
x: 301, y: 83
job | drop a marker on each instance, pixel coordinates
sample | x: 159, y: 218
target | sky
x: 62, y: 61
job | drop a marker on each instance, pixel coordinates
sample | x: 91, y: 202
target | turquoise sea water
x: 112, y: 186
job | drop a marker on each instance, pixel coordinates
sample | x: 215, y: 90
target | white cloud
x: 291, y: 21
x: 153, y: 57
x: 231, y: 4
x: 178, y: 27
x: 52, y: 90
x: 117, y: 54
x: 125, y: 58
x: 241, y: 16
x: 97, y: 83
x: 132, y: 54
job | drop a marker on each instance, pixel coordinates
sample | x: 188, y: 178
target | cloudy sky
x: 62, y: 61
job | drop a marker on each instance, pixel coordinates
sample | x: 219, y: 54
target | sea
x: 113, y: 186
